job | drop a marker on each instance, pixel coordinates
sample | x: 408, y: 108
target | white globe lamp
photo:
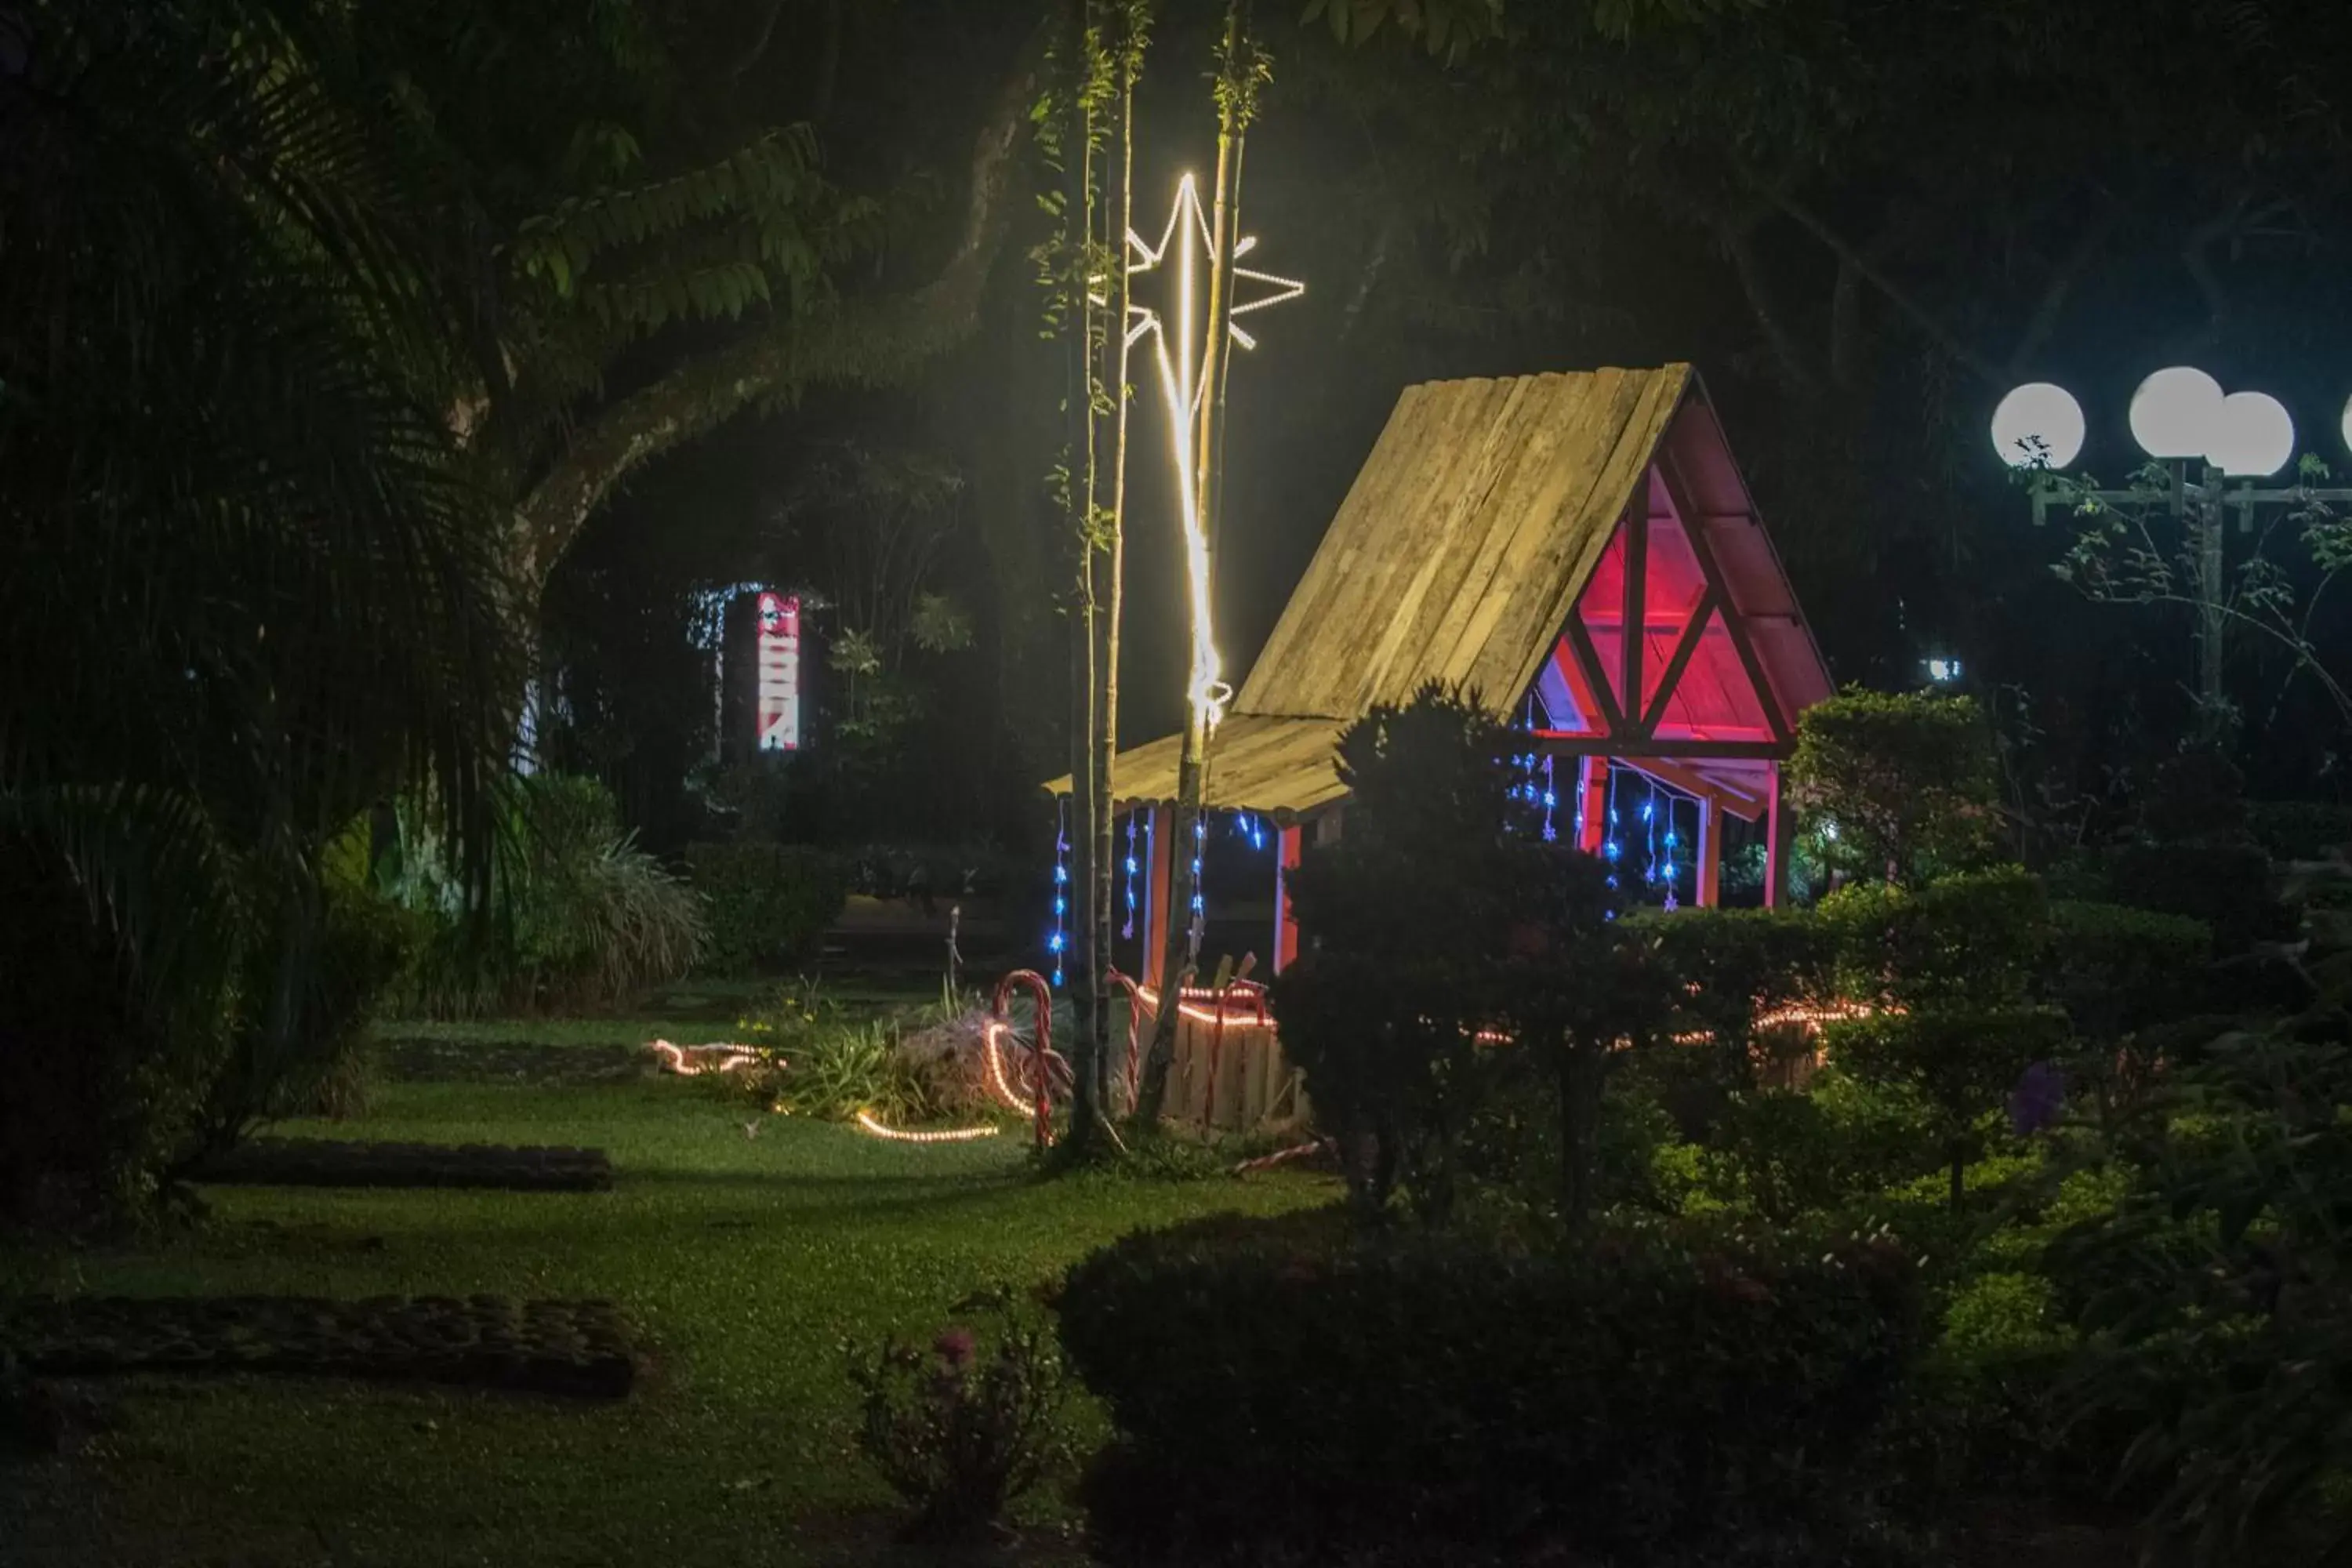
x: 2254, y: 435
x: 2348, y: 422
x: 2039, y: 424
x: 2176, y: 412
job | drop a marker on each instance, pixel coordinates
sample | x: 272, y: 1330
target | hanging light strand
x: 1128, y: 928
x: 1060, y: 940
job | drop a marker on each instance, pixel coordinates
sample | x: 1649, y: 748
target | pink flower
x: 955, y: 1347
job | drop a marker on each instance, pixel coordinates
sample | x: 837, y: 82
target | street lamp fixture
x: 2204, y: 438
x: 2039, y: 424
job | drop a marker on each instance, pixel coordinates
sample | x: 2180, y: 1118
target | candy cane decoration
x: 1042, y: 1058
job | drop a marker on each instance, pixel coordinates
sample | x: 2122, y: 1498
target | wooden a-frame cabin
x: 1580, y: 550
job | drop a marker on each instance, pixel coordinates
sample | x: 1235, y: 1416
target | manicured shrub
x: 1281, y: 1391
x: 768, y: 904
x: 1971, y: 940
x: 2115, y: 969
x: 1728, y: 967
x: 2225, y: 885
x: 2193, y: 855
x: 1963, y: 1063
x: 1907, y: 780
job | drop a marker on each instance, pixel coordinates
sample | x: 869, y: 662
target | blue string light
x: 1060, y: 940
x: 1550, y: 799
x: 1609, y: 848
x: 1200, y: 841
x: 1650, y: 835
x: 1128, y: 928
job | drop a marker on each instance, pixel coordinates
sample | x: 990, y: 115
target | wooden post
x: 1595, y: 794
x: 1710, y: 854
x: 1631, y: 640
x: 1159, y: 841
x: 1286, y: 925
x: 1776, y: 843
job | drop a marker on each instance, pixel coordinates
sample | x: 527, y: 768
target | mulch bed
x: 415, y: 1058
x: 331, y: 1163
x: 579, y: 1349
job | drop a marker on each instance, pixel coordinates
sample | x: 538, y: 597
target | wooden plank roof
x: 1456, y: 557
x: 1460, y: 549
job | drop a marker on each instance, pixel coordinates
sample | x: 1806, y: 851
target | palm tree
x: 248, y: 586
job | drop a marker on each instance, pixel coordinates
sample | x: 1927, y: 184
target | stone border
x: 578, y: 1348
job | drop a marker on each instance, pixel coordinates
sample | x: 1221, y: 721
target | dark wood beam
x: 1580, y: 640
x: 1678, y: 496
x: 1680, y: 662
x: 1631, y: 748
x: 1631, y: 633
x: 1690, y: 780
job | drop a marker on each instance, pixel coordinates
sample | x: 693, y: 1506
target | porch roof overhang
x: 1279, y: 766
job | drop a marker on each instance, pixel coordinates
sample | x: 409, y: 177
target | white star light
x: 1181, y: 390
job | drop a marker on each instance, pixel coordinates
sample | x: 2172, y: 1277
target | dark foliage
x: 2222, y: 1295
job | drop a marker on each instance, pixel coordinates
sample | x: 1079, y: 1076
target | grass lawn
x: 745, y: 1260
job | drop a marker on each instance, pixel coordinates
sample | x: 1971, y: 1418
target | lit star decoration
x: 1186, y: 247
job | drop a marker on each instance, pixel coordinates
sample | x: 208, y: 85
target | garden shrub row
x: 769, y: 905
x: 1280, y: 1389
x: 331, y: 1162
x: 581, y: 1349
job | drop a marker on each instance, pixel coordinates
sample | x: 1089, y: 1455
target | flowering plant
x: 964, y: 1427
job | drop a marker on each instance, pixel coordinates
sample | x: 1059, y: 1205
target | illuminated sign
x: 780, y: 672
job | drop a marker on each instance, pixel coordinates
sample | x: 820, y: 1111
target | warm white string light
x: 691, y: 1061
x: 1181, y: 391
x: 866, y: 1122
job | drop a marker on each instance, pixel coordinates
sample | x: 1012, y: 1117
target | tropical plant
x: 599, y: 214
x: 970, y: 1426
x: 2220, y: 1283
x: 247, y: 585
x: 578, y: 917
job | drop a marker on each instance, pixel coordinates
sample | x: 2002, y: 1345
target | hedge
x: 770, y: 904
x: 1279, y: 1391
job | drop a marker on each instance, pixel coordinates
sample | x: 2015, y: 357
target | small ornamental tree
x: 1904, y: 784
x: 1951, y: 970
x: 1405, y: 923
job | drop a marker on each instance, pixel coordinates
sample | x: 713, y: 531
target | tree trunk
x: 1581, y: 1071
x: 1235, y: 96
x: 1085, y: 963
x: 1119, y: 205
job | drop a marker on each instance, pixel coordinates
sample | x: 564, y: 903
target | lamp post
x: 2204, y: 439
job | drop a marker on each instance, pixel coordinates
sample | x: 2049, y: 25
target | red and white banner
x: 780, y: 672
